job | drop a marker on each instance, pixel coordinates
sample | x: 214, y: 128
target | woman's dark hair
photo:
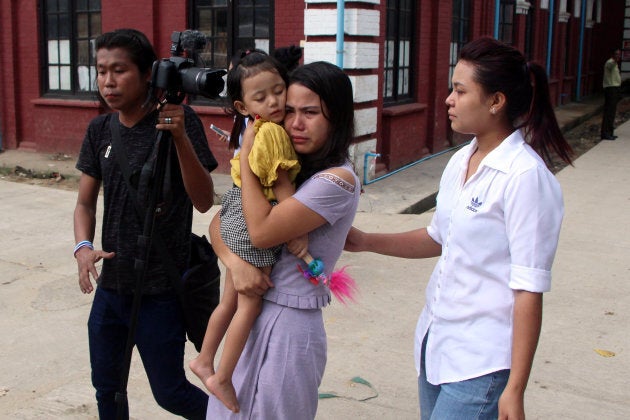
x: 136, y: 44
x: 334, y: 89
x: 236, y: 58
x: 499, y: 67
x: 289, y: 56
x: 251, y: 63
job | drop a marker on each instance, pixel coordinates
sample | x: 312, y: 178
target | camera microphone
x: 177, y: 75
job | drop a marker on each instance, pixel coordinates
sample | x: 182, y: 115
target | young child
x: 257, y: 88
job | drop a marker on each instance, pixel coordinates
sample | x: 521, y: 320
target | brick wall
x: 289, y: 22
x: 8, y: 76
x: 361, y: 61
x: 401, y: 133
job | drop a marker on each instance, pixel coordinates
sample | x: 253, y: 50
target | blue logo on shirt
x: 474, y: 204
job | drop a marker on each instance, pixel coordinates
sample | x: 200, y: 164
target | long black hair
x: 334, y: 89
x: 499, y: 67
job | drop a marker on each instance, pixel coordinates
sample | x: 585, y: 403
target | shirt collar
x: 503, y: 155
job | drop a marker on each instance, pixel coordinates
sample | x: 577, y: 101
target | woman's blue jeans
x: 160, y: 339
x: 476, y: 398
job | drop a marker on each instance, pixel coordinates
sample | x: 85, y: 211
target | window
x: 507, y: 9
x: 398, y: 71
x: 69, y: 30
x: 253, y: 19
x: 460, y: 33
x: 211, y: 18
x: 230, y: 26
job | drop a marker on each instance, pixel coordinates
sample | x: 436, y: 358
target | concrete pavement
x: 44, y: 356
x: 587, y: 309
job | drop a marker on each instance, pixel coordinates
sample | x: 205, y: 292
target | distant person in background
x: 612, y: 88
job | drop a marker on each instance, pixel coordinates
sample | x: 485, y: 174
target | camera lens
x: 199, y: 81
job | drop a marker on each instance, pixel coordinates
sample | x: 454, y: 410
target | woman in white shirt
x: 495, y: 228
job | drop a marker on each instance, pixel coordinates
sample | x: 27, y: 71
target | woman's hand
x: 511, y: 405
x: 248, y: 280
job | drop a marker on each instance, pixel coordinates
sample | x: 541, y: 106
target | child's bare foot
x: 203, y: 370
x: 224, y: 391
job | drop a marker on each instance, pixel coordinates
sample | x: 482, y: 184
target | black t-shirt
x: 121, y: 223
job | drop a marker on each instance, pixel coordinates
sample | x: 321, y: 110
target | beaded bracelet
x: 81, y: 245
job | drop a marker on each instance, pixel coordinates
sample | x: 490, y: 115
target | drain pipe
x: 340, y: 32
x: 409, y: 165
x: 497, y: 5
x: 365, y: 167
x: 578, y: 87
x: 550, y: 36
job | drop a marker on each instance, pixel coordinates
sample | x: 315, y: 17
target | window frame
x: 91, y: 10
x: 507, y: 27
x: 460, y: 23
x: 232, y: 39
x: 395, y: 38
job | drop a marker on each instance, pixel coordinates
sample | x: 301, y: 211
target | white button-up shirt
x: 499, y: 232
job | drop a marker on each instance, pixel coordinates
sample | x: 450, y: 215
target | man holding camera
x: 124, y: 60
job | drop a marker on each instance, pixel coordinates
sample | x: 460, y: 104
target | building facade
x: 399, y: 55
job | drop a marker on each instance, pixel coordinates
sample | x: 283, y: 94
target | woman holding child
x: 283, y: 362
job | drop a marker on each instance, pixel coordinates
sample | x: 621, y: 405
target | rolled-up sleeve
x: 533, y: 216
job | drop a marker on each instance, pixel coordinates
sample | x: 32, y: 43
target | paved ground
x: 45, y: 368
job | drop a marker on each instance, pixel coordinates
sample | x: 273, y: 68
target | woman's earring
x: 493, y: 110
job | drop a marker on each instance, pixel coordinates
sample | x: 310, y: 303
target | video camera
x: 176, y: 76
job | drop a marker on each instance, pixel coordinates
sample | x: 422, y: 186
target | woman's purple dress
x: 282, y: 365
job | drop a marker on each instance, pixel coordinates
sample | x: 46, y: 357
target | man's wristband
x: 81, y: 245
